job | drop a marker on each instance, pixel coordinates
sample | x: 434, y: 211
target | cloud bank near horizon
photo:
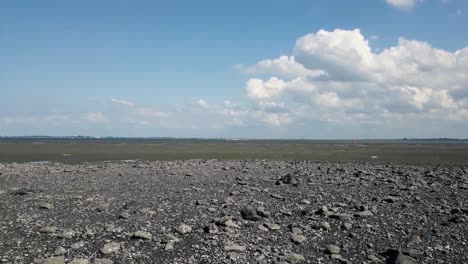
x: 332, y: 80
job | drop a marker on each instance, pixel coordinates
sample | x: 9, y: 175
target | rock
x: 230, y: 223
x: 170, y: 238
x: 322, y: 210
x: 294, y: 258
x: 325, y: 226
x: 372, y: 258
x: 363, y: 214
x: 60, y: 251
x: 234, y: 248
x: 276, y: 196
x: 345, y: 216
x: 67, y: 234
x: 77, y: 245
x: 183, y: 229
x: 298, y: 239
x: 102, y: 261
x: 48, y: 229
x: 80, y: 261
x: 124, y: 214
x: 395, y: 256
x: 46, y: 206
x: 109, y: 248
x: 332, y: 249
x: 346, y: 226
x: 211, y: 229
x: 272, y: 226
x: 169, y: 246
x: 263, y: 213
x: 250, y: 213
x: 55, y: 260
x: 142, y: 235
x: 287, y: 179
x: 391, y: 199
x: 340, y: 258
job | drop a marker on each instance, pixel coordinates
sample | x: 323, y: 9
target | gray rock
x: 77, y: 245
x: 234, y: 248
x: 67, y: 234
x: 60, y: 251
x: 395, y: 256
x: 272, y: 226
x: 211, y: 229
x: 80, y: 261
x: 124, y: 214
x: 183, y: 229
x: 169, y: 246
x: 250, y: 213
x: 48, y: 229
x: 332, y: 249
x: 55, y: 260
x: 230, y: 223
x: 109, y: 248
x: 363, y: 214
x: 102, y: 261
x: 142, y: 235
x: 294, y: 258
x: 346, y: 226
x: 372, y: 258
x: 46, y: 206
x: 298, y: 239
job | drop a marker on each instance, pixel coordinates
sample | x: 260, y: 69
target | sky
x: 299, y: 69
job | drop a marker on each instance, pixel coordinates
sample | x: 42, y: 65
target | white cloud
x: 364, y: 86
x: 282, y: 66
x: 402, y: 4
x: 274, y: 87
x: 122, y: 102
x: 203, y: 104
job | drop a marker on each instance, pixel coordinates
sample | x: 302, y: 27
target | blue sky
x: 255, y: 69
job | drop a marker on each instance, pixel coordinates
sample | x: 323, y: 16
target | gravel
x: 252, y: 211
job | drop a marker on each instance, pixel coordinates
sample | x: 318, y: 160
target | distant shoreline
x: 40, y: 137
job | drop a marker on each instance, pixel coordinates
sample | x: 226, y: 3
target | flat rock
x: 109, y: 248
x: 102, y: 261
x: 80, y: 261
x: 294, y: 258
x: 332, y: 249
x: 298, y: 239
x: 55, y: 260
x: 142, y: 235
x: 234, y: 248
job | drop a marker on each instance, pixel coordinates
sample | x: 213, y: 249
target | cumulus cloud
x: 203, y: 104
x: 361, y: 85
x: 402, y: 4
x: 282, y: 66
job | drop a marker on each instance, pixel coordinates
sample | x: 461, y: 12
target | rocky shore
x: 210, y: 211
